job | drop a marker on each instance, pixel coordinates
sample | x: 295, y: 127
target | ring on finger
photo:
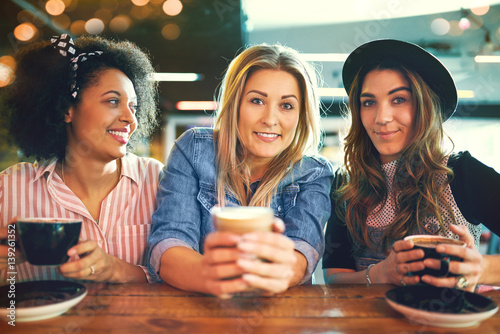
x: 462, y: 282
x: 402, y: 281
x: 92, y: 270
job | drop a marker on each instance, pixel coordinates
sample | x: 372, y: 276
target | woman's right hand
x: 8, y: 238
x: 395, y: 268
x: 220, y: 273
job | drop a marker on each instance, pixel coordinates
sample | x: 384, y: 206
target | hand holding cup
x: 428, y: 244
x: 266, y: 256
x: 46, y: 241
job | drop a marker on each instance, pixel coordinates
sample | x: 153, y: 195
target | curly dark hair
x: 35, y: 104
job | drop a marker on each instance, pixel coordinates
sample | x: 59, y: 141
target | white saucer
x: 38, y: 300
x: 434, y: 302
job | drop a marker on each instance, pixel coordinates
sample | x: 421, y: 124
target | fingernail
x: 249, y: 277
x: 72, y: 252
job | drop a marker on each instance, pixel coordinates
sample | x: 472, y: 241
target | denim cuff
x: 158, y: 250
x: 148, y: 276
x: 311, y: 256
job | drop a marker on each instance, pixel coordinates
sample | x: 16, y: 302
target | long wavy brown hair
x: 363, y: 185
x: 233, y: 171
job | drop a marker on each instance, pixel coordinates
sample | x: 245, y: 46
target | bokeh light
x: 7, y: 70
x: 25, y: 31
x: 94, y: 26
x: 78, y: 28
x: 140, y: 2
x: 455, y: 29
x: 61, y: 21
x: 480, y: 10
x: 464, y: 23
x: 172, y: 7
x: 55, y: 7
x: 120, y: 24
x: 171, y: 31
x: 440, y: 26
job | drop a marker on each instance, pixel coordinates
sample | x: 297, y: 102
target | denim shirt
x: 187, y: 192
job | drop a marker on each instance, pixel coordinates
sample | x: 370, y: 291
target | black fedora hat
x: 432, y: 71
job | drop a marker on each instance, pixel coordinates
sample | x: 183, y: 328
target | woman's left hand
x: 471, y: 268
x: 269, y: 259
x: 94, y: 263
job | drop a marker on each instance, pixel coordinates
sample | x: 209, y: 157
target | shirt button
x: 108, y: 205
x: 279, y: 208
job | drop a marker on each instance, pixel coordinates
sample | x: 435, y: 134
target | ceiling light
x: 487, y: 59
x: 177, y: 77
x: 465, y: 94
x: 196, y: 105
x: 332, y: 92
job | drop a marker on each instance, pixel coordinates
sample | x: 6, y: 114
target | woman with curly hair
x: 261, y: 152
x: 74, y: 107
x: 397, y: 179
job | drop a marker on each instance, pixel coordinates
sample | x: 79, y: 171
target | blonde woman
x: 397, y: 180
x: 261, y: 152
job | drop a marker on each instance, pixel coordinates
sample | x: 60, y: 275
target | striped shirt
x: 28, y: 190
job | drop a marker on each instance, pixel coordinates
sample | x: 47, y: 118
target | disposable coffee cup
x: 46, y: 241
x: 243, y: 219
x: 428, y: 244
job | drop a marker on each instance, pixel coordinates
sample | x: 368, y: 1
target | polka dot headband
x: 66, y: 47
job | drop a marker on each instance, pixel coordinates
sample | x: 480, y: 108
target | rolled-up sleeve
x: 305, y: 221
x: 176, y: 221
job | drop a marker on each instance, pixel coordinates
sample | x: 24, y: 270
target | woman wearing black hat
x: 397, y: 180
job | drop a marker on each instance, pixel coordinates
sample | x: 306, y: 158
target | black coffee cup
x: 46, y: 241
x: 428, y: 244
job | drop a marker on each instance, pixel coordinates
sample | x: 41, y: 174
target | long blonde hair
x: 363, y: 184
x: 233, y: 171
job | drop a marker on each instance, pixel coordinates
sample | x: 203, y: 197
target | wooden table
x: 160, y: 308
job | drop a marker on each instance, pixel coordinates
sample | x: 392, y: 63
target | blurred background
x: 192, y: 41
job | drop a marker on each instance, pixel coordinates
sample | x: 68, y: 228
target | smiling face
x: 101, y: 124
x: 268, y: 114
x: 387, y: 112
